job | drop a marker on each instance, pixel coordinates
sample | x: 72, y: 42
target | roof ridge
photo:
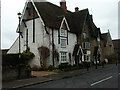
x: 56, y: 6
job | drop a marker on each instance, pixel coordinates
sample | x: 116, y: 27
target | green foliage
x: 13, y: 60
x: 63, y: 66
x: 10, y: 60
x: 28, y: 49
x: 50, y: 68
x: 80, y: 66
x: 114, y: 57
x: 58, y: 70
x: 27, y: 55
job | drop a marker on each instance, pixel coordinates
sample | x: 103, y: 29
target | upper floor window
x: 84, y: 35
x: 63, y: 43
x: 63, y: 32
x: 86, y: 45
x: 98, y: 39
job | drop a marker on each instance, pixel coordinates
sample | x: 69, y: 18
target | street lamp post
x: 19, y: 68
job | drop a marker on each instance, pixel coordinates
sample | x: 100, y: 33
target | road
x: 104, y: 78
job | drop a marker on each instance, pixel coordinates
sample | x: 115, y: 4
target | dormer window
x: 63, y: 32
x: 84, y: 35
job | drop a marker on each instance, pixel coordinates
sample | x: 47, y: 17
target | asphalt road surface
x: 104, y: 78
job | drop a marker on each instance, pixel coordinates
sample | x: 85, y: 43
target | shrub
x: 27, y: 55
x: 10, y: 60
x: 114, y: 57
x: 80, y: 66
x: 13, y: 60
x: 50, y: 68
x: 64, y: 66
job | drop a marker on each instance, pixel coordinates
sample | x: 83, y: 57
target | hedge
x: 13, y: 59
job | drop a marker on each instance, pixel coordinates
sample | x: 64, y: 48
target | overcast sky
x: 105, y: 16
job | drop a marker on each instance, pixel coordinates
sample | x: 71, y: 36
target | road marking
x: 118, y: 73
x: 101, y: 81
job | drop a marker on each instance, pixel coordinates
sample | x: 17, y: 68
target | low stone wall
x: 12, y: 73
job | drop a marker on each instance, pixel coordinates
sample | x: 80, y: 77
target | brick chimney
x: 76, y: 9
x: 63, y: 5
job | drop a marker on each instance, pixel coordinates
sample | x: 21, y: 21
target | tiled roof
x: 52, y: 16
x: 5, y: 51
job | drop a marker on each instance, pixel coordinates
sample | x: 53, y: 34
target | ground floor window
x: 63, y: 56
x: 86, y: 58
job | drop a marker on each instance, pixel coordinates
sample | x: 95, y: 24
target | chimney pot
x: 76, y: 9
x: 63, y: 5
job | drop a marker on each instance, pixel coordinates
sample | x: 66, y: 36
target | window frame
x: 84, y: 35
x: 62, y: 42
x: 63, y: 57
x: 65, y: 32
x: 84, y: 45
x: 98, y: 39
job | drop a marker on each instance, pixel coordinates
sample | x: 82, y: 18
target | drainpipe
x: 53, y: 47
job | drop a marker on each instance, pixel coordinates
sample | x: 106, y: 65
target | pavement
x: 47, y: 78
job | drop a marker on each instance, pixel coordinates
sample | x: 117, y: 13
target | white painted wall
x: 72, y: 40
x: 43, y: 39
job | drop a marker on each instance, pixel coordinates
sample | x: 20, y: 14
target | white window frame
x: 84, y: 35
x: 86, y: 44
x: 63, y: 46
x: 88, y: 52
x: 63, y: 34
x: 98, y: 39
x: 63, y: 57
x: 87, y: 59
x: 25, y: 43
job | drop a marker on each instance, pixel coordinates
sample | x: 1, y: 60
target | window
x: 86, y: 45
x: 63, y: 43
x: 63, y: 32
x: 63, y: 56
x: 84, y: 35
x: 88, y: 58
x: 98, y: 39
x: 88, y: 52
x: 25, y: 43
